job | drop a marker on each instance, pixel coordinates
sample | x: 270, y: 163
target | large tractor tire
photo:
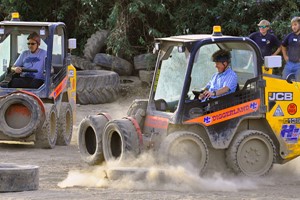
x: 90, y: 139
x: 83, y: 63
x: 103, y: 60
x: 46, y: 136
x: 20, y: 115
x: 144, y: 61
x: 129, y: 84
x: 186, y: 149
x: 251, y: 153
x: 120, y: 140
x: 94, y: 44
x: 113, y: 63
x: 17, y: 178
x: 65, y: 125
x: 97, y: 86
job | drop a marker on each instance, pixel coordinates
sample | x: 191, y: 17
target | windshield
x: 12, y: 45
x: 170, y: 76
x: 243, y: 60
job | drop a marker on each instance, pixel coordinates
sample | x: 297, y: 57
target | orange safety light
x: 15, y: 16
x: 217, y: 31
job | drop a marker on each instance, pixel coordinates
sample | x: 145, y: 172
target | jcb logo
x: 280, y: 96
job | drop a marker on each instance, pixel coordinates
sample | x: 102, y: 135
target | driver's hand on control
x: 206, y: 94
x: 17, y: 70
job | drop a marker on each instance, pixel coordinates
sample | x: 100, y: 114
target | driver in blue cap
x: 222, y: 82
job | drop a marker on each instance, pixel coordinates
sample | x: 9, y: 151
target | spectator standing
x: 265, y: 40
x: 291, y: 50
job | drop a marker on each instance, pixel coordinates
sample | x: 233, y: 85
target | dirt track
x: 282, y: 183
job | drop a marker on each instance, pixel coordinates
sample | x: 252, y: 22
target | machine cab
x: 13, y: 41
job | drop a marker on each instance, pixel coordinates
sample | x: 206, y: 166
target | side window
x: 57, y: 54
x: 203, y: 68
x: 4, y: 57
x: 243, y: 63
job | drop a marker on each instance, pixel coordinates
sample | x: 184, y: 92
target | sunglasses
x: 263, y: 26
x: 31, y: 43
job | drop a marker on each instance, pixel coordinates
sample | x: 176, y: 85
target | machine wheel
x: 20, y: 115
x: 120, y: 139
x: 251, y: 153
x: 65, y: 125
x: 17, y: 178
x: 185, y: 149
x: 97, y: 86
x: 90, y: 139
x: 47, y: 136
x: 94, y: 44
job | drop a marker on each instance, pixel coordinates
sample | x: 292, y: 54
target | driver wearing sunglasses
x: 34, y: 59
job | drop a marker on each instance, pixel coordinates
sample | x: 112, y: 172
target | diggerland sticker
x: 228, y: 113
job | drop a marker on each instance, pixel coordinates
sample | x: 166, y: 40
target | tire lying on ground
x: 20, y: 115
x: 146, y: 76
x: 129, y: 84
x: 82, y: 63
x: 113, y: 63
x: 97, y: 86
x: 144, y: 61
x: 90, y: 139
x: 17, y: 178
x: 94, y: 44
x: 65, y: 125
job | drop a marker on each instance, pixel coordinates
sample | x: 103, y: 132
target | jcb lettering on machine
x: 280, y: 96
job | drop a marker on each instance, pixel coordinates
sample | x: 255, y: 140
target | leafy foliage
x: 133, y: 24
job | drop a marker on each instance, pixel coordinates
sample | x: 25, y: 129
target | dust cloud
x: 145, y: 173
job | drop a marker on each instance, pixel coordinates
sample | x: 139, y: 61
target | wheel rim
x: 188, y: 152
x: 255, y: 156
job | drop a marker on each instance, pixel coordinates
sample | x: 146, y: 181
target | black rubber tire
x: 113, y: 63
x: 95, y: 43
x: 65, y: 125
x: 103, y: 60
x: 241, y: 161
x: 46, y: 137
x: 17, y: 178
x: 136, y: 105
x: 97, y: 86
x: 120, y: 140
x: 144, y: 61
x: 185, y: 149
x: 20, y: 115
x: 129, y: 84
x: 90, y: 139
x: 146, y: 76
x: 84, y: 64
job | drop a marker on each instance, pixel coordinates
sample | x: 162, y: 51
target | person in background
x: 33, y: 59
x: 291, y: 50
x: 224, y: 81
x: 266, y: 41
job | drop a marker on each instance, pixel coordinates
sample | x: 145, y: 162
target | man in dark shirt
x: 265, y: 40
x: 291, y: 50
